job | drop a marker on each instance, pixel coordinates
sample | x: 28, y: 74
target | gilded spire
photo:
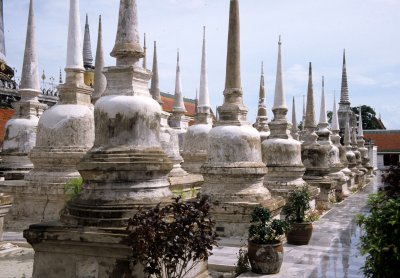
x: 74, y: 44
x: 279, y: 100
x: 322, y: 114
x: 30, y: 72
x: 204, y: 99
x: 335, y: 118
x: 127, y: 49
x: 145, y: 52
x: 344, y: 95
x: 179, y: 105
x: 100, y: 80
x: 87, y: 47
x: 310, y: 112
x: 155, y: 87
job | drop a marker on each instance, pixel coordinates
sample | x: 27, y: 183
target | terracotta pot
x: 265, y: 258
x: 299, y: 233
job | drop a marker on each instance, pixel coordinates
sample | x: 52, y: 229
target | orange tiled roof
x: 386, y: 140
x: 168, y: 104
x: 5, y: 115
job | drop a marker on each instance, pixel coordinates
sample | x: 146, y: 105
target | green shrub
x: 73, y: 188
x: 380, y: 239
x: 169, y: 241
x: 243, y: 264
x: 297, y: 205
x: 264, y: 230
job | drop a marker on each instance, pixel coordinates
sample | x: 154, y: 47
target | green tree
x: 368, y: 117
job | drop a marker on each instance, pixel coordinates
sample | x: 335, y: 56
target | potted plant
x: 265, y: 249
x: 295, y: 210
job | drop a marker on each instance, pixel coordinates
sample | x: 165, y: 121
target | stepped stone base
x: 33, y: 203
x: 326, y: 197
x: 233, y: 218
x: 63, y: 252
x: 5, y: 204
x: 187, y: 186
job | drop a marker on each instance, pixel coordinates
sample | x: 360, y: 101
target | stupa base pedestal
x: 233, y: 218
x: 187, y: 186
x: 33, y: 203
x: 326, y: 197
x: 74, y: 251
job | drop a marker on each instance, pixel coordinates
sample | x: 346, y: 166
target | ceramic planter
x: 299, y: 233
x: 265, y: 258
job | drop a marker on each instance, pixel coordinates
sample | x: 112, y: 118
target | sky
x: 312, y: 31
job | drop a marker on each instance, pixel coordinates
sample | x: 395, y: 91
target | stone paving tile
x: 332, y: 249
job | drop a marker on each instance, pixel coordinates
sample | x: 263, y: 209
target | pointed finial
x: 145, y: 52
x: 310, y: 112
x: 262, y: 67
x: 279, y: 100
x: 2, y: 40
x: 262, y: 110
x: 335, y: 118
x: 179, y: 105
x: 30, y: 72
x: 294, y: 130
x: 74, y: 45
x: 100, y: 81
x: 127, y: 49
x: 233, y: 79
x: 60, y: 81
x: 87, y: 47
x: 155, y: 88
x: 304, y: 113
x: 204, y: 98
x: 360, y: 124
x: 347, y: 134
x: 322, y: 115
x: 344, y: 94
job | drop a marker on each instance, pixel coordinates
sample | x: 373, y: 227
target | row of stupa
x: 124, y: 150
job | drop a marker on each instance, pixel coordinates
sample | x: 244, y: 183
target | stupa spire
x: 344, y: 95
x: 322, y: 115
x: 335, y: 118
x: 262, y: 110
x: 145, y: 52
x: 310, y: 110
x: 155, y: 87
x: 87, y: 47
x: 127, y: 49
x: 347, y: 133
x: 74, y: 44
x: 360, y: 124
x: 204, y: 98
x: 233, y: 79
x: 60, y: 80
x: 261, y: 123
x: 279, y: 100
x: 100, y: 80
x: 2, y: 39
x: 179, y: 105
x: 30, y: 73
x: 294, y: 131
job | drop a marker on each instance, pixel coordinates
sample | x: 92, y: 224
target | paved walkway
x: 332, y: 251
